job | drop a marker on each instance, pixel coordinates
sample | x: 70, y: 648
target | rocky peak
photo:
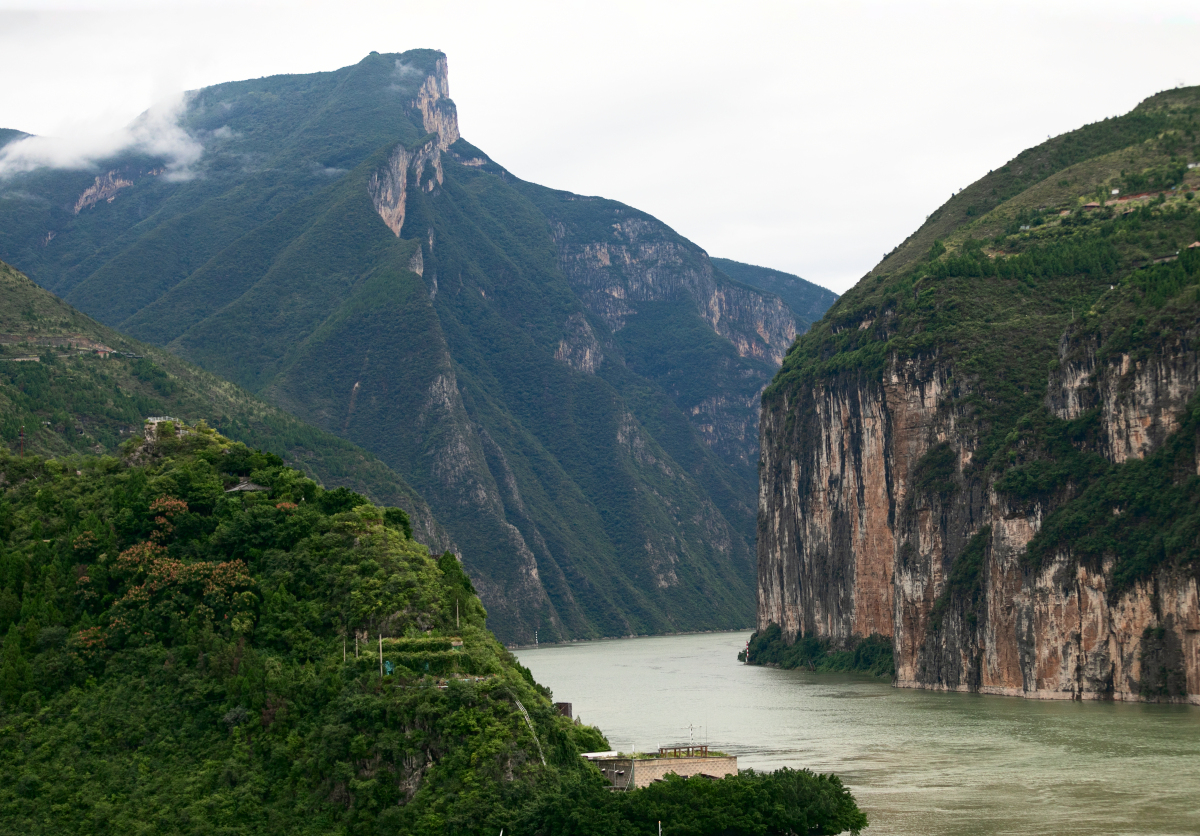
x: 438, y: 114
x: 388, y: 186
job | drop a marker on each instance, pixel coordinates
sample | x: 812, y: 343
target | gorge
x: 570, y: 386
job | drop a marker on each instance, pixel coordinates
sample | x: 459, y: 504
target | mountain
x: 987, y: 450
x: 807, y: 300
x: 572, y: 386
x: 75, y: 386
x: 184, y: 652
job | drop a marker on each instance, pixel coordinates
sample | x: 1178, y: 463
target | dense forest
x: 69, y: 385
x: 199, y: 639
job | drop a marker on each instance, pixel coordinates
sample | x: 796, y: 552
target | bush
x: 786, y: 801
x: 873, y: 654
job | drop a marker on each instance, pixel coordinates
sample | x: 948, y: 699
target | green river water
x: 919, y: 762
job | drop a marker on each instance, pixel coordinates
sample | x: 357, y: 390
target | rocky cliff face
x: 640, y: 260
x: 1140, y: 401
x: 579, y: 347
x: 438, y: 114
x: 388, y: 186
x: 989, y: 449
x: 625, y: 266
x: 105, y: 188
x: 850, y: 545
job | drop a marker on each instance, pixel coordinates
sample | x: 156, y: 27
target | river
x: 918, y: 762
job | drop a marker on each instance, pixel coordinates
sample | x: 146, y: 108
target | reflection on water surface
x: 919, y: 762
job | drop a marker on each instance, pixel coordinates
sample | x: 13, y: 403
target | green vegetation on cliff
x: 807, y: 300
x: 180, y: 658
x: 76, y: 386
x: 1143, y: 512
x: 1051, y: 310
x: 871, y: 655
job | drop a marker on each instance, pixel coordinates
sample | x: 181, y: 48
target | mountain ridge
x: 986, y: 450
x: 523, y: 362
x: 807, y: 300
x: 101, y: 385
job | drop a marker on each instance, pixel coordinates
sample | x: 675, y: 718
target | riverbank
x: 918, y: 762
x: 569, y: 642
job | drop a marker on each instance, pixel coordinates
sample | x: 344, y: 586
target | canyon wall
x: 638, y: 259
x: 621, y: 263
x: 854, y: 537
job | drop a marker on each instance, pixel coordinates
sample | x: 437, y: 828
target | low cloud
x: 405, y: 77
x: 156, y: 133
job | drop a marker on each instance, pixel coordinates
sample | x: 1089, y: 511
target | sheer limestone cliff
x: 388, y: 186
x: 641, y: 260
x: 848, y: 548
x: 992, y: 454
x: 438, y: 114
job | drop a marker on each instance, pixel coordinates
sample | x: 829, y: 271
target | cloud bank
x: 156, y: 133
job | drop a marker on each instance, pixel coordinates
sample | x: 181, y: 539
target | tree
x: 14, y: 670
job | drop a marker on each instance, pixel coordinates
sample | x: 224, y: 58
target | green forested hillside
x: 182, y: 658
x: 807, y: 300
x: 592, y: 488
x: 82, y: 387
x: 1165, y: 120
x: 1057, y: 301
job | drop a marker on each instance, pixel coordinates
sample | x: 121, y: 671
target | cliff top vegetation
x: 187, y: 659
x: 1077, y: 251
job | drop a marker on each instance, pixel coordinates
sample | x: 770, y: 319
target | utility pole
x: 381, y: 655
x: 457, y: 625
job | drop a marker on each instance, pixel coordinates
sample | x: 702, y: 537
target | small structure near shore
x: 638, y: 769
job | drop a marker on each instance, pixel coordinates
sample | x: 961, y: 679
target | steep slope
x: 181, y: 656
x: 187, y: 659
x: 75, y: 386
x: 573, y: 386
x: 987, y: 450
x: 807, y: 300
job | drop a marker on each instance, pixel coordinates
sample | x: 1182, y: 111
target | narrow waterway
x: 918, y: 762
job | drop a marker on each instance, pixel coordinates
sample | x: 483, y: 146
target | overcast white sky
x: 810, y: 137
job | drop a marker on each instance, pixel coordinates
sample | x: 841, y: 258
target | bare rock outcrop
x: 105, y: 188
x: 579, y: 347
x: 438, y: 113
x: 848, y: 546
x: 641, y: 260
x: 388, y: 186
x: 637, y: 260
